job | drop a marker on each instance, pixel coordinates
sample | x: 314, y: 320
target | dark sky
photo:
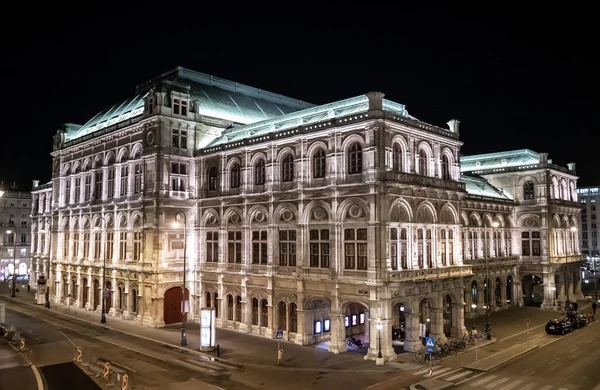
x: 527, y: 81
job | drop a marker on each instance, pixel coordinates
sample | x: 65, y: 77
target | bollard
x: 125, y: 382
x: 106, y: 370
x: 79, y: 355
x: 218, y: 351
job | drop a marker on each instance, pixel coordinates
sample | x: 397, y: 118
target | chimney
x: 375, y: 101
x: 543, y: 158
x: 453, y: 125
x: 571, y: 167
x: 36, y: 183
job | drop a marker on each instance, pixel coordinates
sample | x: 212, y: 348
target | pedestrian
x: 594, y: 306
x: 28, y: 288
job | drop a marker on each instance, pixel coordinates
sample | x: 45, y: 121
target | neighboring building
x: 15, y: 232
x: 321, y: 221
x: 590, y: 220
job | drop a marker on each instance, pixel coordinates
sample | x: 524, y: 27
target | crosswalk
x: 478, y: 380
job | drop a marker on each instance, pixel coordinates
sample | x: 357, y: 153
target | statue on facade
x: 59, y: 140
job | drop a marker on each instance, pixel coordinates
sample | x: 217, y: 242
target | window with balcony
x: 355, y: 249
x: 98, y: 186
x: 137, y: 245
x: 213, y: 179
x: 234, y: 247
x: 287, y: 168
x: 86, y: 244
x: 212, y: 246
x: 88, y: 187
x: 398, y: 248
x: 137, y: 180
x: 66, y: 238
x: 259, y: 172
x: 97, y: 245
x: 110, y: 245
x: 77, y: 189
x: 124, y: 178
x: 355, y: 159
x: 397, y: 157
x: 530, y: 243
x: 422, y: 163
x: 67, y: 192
x: 319, y: 248
x: 234, y: 176
x: 319, y: 164
x: 110, y: 183
x: 287, y: 248
x: 445, y: 166
x: 259, y: 247
x: 76, y: 244
x: 122, y: 245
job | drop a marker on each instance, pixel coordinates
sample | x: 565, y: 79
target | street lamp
x: 488, y: 325
x: 14, y: 276
x: 473, y: 307
x: 573, y: 229
x: 183, y: 298
x: 379, y: 327
x: 98, y: 228
x: 554, y: 295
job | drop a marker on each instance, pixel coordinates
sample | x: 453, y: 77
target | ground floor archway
x: 173, y: 301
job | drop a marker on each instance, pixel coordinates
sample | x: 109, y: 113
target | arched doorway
x: 447, y: 315
x: 356, y: 324
x: 318, y: 315
x: 533, y: 290
x: 107, y: 297
x: 498, y: 292
x: 85, y: 292
x: 398, y: 324
x: 96, y: 302
x: 172, y: 305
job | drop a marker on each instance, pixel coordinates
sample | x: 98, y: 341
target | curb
x: 197, y: 353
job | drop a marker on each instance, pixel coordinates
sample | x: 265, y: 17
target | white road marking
x: 38, y: 377
x: 554, y: 361
x: 531, y: 373
x: 529, y: 386
x: 483, y: 380
x: 459, y: 375
x: 443, y: 370
x: 498, y: 382
x: 547, y: 387
x: 592, y: 339
x: 574, y: 349
x: 511, y: 385
x: 425, y: 370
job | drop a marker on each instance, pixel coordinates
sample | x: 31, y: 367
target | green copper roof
x: 478, y: 186
x: 215, y: 97
x: 512, y: 158
x: 305, y: 117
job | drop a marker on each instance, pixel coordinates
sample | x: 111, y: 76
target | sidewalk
x: 235, y: 347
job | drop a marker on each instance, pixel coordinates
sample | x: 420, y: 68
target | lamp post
x: 183, y: 291
x: 488, y: 325
x: 14, y: 275
x: 573, y: 229
x: 554, y: 295
x: 379, y: 327
x: 103, y: 228
x: 473, y: 307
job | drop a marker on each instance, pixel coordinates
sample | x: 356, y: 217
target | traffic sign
x: 429, y: 341
x: 475, y: 336
x: 527, y: 321
x: 429, y: 349
x: 279, y: 334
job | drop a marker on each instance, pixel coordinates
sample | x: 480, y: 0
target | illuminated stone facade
x: 321, y: 221
x: 589, y: 198
x: 15, y: 232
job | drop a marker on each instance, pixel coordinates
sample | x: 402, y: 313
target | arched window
x: 287, y: 168
x: 528, y: 190
x: 213, y: 179
x: 259, y: 173
x: 355, y: 159
x: 446, y: 168
x: 398, y: 158
x: 234, y: 176
x: 422, y: 163
x: 319, y: 164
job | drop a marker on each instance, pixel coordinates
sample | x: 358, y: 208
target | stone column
x: 385, y: 337
x: 436, y: 329
x: 411, y: 340
x: 300, y: 324
x: 457, y: 325
x: 337, y: 344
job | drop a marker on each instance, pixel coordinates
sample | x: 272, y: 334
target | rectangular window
x: 137, y: 182
x: 67, y: 191
x: 98, y: 187
x: 77, y: 189
x: 525, y: 243
x: 122, y: 245
x: 212, y: 247
x: 234, y: 247
x: 137, y: 246
x: 86, y: 245
x: 65, y: 245
x: 124, y: 177
x: 398, y: 248
x: 259, y: 247
x: 110, y: 183
x: 287, y: 248
x: 97, y: 245
x: 110, y: 242
x: 179, y: 138
x: 319, y: 248
x: 508, y: 244
x: 88, y: 187
x: 76, y: 244
x: 355, y: 249
x: 180, y: 107
x: 178, y: 176
x: 536, y: 248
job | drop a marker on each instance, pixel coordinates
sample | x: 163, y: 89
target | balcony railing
x: 430, y: 274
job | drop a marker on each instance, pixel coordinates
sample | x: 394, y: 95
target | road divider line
x: 531, y: 373
x: 553, y: 361
x: 574, y: 349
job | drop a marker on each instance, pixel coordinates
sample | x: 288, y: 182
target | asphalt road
x: 571, y: 362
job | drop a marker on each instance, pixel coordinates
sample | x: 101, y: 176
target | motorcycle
x: 354, y: 341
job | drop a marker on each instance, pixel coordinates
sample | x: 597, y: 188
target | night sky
x: 528, y: 81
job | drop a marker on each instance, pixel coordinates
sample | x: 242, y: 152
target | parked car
x: 578, y: 320
x: 559, y: 326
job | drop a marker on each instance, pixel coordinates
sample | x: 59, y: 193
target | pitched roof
x: 215, y: 97
x: 478, y: 186
x: 511, y: 158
